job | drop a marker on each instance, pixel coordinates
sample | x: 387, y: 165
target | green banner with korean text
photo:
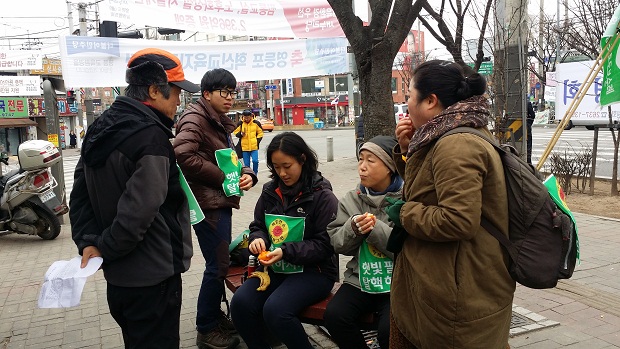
x: 229, y: 163
x: 375, y: 269
x: 610, y: 90
x: 283, y: 229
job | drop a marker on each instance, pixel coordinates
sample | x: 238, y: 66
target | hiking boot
x: 216, y: 339
x: 224, y: 323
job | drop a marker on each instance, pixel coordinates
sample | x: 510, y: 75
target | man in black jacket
x: 127, y: 204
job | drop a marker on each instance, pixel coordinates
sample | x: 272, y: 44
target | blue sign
x: 538, y: 85
x: 271, y: 87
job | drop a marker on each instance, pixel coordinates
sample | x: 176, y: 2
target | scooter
x: 28, y: 204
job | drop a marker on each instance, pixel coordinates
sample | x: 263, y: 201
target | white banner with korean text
x: 271, y: 18
x: 101, y: 62
x: 20, y: 59
x: 19, y: 86
x: 570, y: 77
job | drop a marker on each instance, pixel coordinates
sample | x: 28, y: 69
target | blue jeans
x: 276, y: 308
x: 246, y: 159
x: 214, y: 236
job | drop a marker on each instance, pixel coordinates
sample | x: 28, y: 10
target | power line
x: 28, y: 34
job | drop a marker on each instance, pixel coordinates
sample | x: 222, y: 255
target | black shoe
x: 216, y: 339
x: 226, y: 325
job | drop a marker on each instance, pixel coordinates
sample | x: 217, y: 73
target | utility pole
x: 88, y: 96
x: 53, y: 129
x: 511, y: 81
x: 70, y: 17
x: 541, y: 55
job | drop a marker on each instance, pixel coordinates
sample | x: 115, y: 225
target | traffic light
x: 70, y: 96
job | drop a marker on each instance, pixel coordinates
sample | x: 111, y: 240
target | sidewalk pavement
x: 583, y: 312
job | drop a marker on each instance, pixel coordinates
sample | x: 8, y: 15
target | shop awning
x: 16, y: 122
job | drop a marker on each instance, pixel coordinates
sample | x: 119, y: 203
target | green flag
x: 610, y: 91
x: 559, y: 198
x: 195, y: 212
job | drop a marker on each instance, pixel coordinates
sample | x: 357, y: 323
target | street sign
x: 271, y: 87
x: 486, y: 68
x: 538, y: 85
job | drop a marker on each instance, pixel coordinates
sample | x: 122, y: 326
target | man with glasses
x: 204, y: 128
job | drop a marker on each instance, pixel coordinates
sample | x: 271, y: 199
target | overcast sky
x: 43, y: 20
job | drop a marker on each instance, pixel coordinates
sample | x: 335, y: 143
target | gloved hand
x: 393, y: 211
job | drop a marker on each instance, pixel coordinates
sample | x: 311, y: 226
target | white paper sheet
x: 64, y: 282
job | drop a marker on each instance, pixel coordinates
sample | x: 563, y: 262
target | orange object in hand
x: 263, y: 256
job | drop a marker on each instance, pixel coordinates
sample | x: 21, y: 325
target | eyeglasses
x: 225, y: 93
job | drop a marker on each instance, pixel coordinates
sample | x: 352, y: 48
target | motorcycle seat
x: 5, y: 178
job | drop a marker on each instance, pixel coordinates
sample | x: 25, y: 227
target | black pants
x: 148, y: 316
x: 344, y: 311
x: 529, y: 142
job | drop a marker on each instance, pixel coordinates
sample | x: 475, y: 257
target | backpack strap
x: 484, y: 222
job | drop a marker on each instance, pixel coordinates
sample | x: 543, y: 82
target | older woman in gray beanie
x: 361, y: 230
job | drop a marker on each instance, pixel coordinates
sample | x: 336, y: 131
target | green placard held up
x: 228, y: 162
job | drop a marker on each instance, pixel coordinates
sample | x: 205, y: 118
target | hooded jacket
x: 451, y: 287
x: 318, y: 204
x: 127, y: 199
x: 344, y: 239
x: 250, y: 134
x: 200, y: 132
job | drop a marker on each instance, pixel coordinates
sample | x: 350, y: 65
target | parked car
x: 266, y: 124
x: 400, y: 111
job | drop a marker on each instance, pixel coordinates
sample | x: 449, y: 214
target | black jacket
x: 127, y: 199
x: 318, y: 204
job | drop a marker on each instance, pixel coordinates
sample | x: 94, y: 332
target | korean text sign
x: 101, y: 62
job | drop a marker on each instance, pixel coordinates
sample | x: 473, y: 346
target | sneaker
x: 216, y: 339
x: 226, y: 325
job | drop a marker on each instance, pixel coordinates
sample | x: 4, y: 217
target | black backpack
x: 542, y: 242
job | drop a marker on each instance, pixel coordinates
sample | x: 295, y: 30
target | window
x: 311, y: 85
x: 394, y: 85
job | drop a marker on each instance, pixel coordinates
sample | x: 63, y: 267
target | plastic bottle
x: 252, y: 264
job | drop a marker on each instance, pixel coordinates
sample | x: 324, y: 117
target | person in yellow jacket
x: 250, y: 134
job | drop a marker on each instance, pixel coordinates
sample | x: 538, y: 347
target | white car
x: 400, y: 111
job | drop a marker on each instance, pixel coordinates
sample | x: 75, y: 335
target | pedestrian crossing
x: 574, y: 142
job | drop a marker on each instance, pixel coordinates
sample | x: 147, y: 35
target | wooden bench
x: 311, y: 315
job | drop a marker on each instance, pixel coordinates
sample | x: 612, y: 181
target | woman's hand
x: 273, y: 257
x: 257, y: 246
x: 364, y: 223
x: 404, y: 132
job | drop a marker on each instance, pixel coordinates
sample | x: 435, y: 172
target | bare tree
x: 375, y: 46
x: 542, y: 43
x: 440, y: 27
x: 587, y: 21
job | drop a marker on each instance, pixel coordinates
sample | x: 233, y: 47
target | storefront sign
x: 12, y: 107
x: 20, y: 86
x: 20, y: 59
x: 53, y: 138
x: 36, y: 107
x: 50, y: 67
